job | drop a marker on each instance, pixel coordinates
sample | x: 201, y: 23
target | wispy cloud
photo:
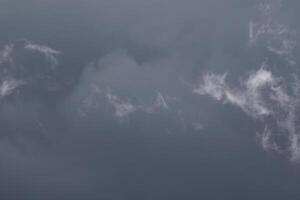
x: 161, y: 101
x: 249, y: 96
x: 8, y: 86
x: 274, y: 36
x: 6, y: 53
x: 12, y: 68
x: 265, y: 137
x: 262, y: 96
x: 122, y: 108
x: 49, y: 53
x: 271, y: 99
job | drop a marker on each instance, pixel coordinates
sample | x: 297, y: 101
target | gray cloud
x: 117, y: 72
x: 113, y: 108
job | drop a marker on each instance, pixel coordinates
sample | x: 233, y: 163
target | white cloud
x: 214, y: 85
x: 125, y: 107
x: 11, y: 65
x: 249, y: 97
x: 262, y: 96
x: 122, y: 108
x: 7, y: 52
x: 272, y: 100
x: 161, y: 101
x: 49, y: 53
x: 8, y: 86
x: 259, y: 79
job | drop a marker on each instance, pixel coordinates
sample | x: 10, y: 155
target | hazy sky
x: 149, y: 99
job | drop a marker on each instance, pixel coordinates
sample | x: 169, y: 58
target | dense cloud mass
x: 157, y: 99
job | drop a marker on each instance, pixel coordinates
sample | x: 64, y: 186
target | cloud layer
x: 149, y: 99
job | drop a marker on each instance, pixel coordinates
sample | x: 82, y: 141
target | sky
x: 149, y: 99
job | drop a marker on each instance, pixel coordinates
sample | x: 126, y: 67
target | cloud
x: 128, y: 68
x: 6, y: 53
x: 26, y: 66
x: 262, y: 96
x: 249, y: 97
x: 118, y: 82
x: 49, y: 53
x: 122, y: 108
x: 273, y: 100
x: 161, y: 102
x: 8, y: 86
x: 269, y: 33
x: 266, y: 140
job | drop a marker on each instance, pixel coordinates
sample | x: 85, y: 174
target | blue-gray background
x: 117, y: 117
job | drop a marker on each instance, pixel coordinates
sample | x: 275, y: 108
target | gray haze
x: 149, y: 99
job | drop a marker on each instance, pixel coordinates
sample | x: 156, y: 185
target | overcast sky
x: 149, y: 99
